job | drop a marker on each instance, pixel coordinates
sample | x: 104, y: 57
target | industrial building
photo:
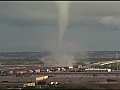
x: 97, y: 70
x: 16, y: 85
x: 84, y: 79
x: 14, y: 79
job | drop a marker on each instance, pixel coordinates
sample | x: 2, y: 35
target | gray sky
x: 33, y: 26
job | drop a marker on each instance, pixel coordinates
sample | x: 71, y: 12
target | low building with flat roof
x: 22, y: 79
x: 97, y: 70
x: 16, y: 85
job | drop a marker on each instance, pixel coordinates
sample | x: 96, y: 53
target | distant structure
x: 106, y: 45
x: 97, y: 70
x: 117, y: 60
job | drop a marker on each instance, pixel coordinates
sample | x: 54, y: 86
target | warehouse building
x: 22, y: 79
x: 97, y: 70
x: 80, y: 79
x: 16, y: 85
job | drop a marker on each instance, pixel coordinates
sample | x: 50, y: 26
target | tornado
x: 63, y: 14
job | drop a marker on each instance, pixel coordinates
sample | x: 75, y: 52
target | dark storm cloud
x: 27, y: 22
x: 33, y: 26
x: 28, y: 13
x: 91, y: 13
x: 46, y: 13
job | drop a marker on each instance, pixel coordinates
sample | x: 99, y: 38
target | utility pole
x: 117, y: 60
x: 106, y: 44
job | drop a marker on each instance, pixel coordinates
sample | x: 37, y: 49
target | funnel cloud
x: 63, y: 9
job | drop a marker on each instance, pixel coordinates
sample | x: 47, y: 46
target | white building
x: 97, y: 70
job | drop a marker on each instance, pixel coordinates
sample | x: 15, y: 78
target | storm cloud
x: 33, y: 26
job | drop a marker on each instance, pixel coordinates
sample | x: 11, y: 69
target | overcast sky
x: 33, y: 26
